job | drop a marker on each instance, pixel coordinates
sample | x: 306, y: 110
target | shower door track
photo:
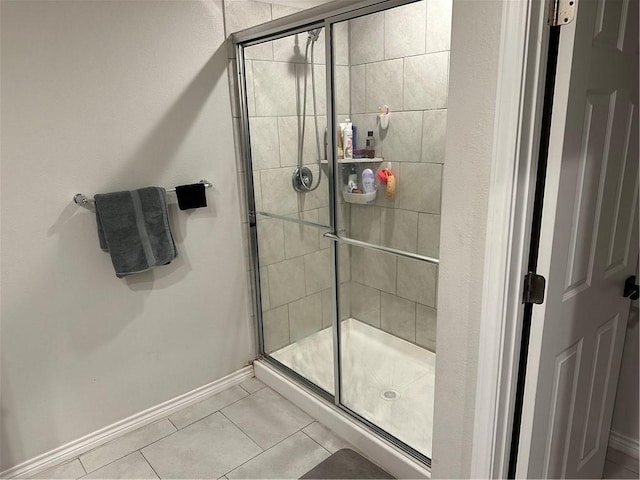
x: 305, y: 383
x: 322, y: 16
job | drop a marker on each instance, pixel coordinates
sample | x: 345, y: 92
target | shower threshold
x: 385, y: 379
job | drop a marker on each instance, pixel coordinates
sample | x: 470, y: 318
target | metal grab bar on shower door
x: 380, y: 248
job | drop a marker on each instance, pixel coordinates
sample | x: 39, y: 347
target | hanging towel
x: 191, y: 196
x: 133, y: 226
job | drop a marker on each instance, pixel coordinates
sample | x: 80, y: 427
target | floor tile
x: 132, y: 466
x: 206, y: 407
x: 622, y: 459
x: 126, y: 444
x: 252, y: 385
x: 206, y: 449
x: 291, y: 458
x: 267, y: 417
x: 613, y: 470
x: 325, y: 437
x: 72, y: 469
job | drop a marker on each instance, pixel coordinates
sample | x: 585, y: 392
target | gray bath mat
x: 346, y: 464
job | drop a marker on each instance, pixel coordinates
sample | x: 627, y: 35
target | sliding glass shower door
x: 286, y: 113
x: 345, y: 153
x: 389, y: 179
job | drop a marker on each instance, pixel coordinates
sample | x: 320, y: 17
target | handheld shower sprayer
x: 302, y: 179
x: 313, y: 35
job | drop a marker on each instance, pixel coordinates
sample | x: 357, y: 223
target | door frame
x: 521, y: 74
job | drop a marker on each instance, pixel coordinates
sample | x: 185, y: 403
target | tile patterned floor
x: 620, y: 465
x: 246, y: 431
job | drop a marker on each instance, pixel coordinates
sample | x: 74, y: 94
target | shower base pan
x: 385, y: 379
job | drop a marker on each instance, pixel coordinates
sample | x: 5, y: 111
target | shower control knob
x: 302, y: 179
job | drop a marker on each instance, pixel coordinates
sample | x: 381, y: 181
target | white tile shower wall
x: 295, y: 263
x: 421, y: 94
x: 438, y: 25
x: 405, y: 30
x: 400, y: 58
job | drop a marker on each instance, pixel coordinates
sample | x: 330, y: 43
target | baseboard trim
x: 88, y: 442
x: 384, y: 453
x: 624, y: 444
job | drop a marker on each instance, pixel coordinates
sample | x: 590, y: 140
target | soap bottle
x: 370, y: 148
x: 352, y: 183
x: 368, y: 181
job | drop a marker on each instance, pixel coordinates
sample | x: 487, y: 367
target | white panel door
x: 589, y: 245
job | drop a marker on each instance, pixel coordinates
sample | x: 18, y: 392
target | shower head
x: 313, y: 35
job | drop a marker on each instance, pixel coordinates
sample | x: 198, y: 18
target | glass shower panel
x: 286, y: 104
x: 391, y: 86
x: 395, y: 87
x: 388, y: 344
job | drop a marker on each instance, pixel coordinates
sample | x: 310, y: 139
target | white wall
x: 96, y: 97
x: 475, y: 37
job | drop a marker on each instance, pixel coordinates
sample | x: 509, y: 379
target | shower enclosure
x: 345, y: 277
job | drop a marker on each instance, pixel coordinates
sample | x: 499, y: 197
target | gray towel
x: 133, y: 227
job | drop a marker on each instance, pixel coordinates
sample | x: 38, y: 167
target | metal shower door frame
x: 322, y: 16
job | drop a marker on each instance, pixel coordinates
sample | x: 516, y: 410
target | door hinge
x: 533, y: 288
x: 561, y: 12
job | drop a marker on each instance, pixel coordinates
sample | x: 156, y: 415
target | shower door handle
x: 380, y: 248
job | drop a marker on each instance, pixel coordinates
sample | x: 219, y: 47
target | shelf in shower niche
x: 361, y: 160
x: 356, y: 160
x: 361, y: 198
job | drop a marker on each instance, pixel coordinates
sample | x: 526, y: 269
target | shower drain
x: 389, y: 394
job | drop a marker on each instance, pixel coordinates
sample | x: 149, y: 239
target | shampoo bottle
x: 347, y: 139
x: 368, y: 181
